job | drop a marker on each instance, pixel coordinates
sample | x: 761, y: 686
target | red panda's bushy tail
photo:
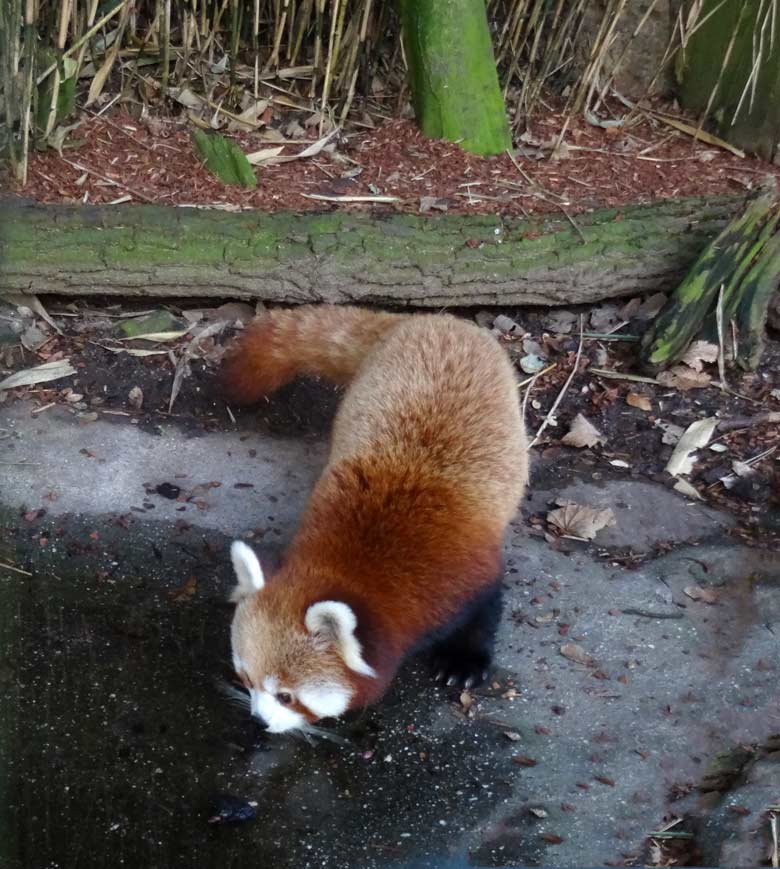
x: 326, y: 340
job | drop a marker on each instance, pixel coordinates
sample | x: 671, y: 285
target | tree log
x: 394, y: 259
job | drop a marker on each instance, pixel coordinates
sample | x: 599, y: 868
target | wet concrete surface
x: 115, y: 736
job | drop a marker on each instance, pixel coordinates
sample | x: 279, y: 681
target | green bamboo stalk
x: 759, y: 286
x: 685, y: 312
x: 28, y: 93
x: 452, y: 73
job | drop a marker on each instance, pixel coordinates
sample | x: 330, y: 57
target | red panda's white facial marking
x: 276, y: 717
x: 293, y: 672
x: 326, y: 701
x: 334, y: 622
x: 248, y: 571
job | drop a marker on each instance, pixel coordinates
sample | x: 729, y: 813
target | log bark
x: 394, y: 259
x: 452, y: 74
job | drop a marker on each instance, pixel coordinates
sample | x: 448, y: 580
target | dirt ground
x: 632, y: 416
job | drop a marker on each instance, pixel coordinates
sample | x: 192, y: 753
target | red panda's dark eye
x: 284, y: 698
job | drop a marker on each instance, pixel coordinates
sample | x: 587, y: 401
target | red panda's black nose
x: 259, y: 721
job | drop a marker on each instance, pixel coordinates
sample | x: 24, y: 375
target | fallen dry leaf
x: 683, y: 378
x: 184, y: 592
x: 671, y: 432
x: 466, y: 700
x: 576, y: 653
x: 582, y: 433
x: 685, y: 488
x: 704, y: 595
x: 523, y: 760
x: 697, y: 435
x: 636, y: 399
x: 512, y: 735
x: 698, y: 353
x: 40, y: 374
x: 578, y: 520
x: 135, y: 398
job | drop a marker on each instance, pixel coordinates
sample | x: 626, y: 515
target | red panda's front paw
x: 465, y: 666
x: 465, y: 656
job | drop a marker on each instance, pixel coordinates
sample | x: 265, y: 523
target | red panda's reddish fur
x: 278, y: 346
x: 427, y: 466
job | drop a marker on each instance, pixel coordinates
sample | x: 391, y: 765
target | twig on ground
x: 541, y: 191
x: 558, y: 400
x: 530, y: 381
x: 108, y: 180
x: 721, y: 349
x: 621, y: 375
x: 739, y: 422
x: 576, y: 228
x: 5, y: 566
x: 321, y: 198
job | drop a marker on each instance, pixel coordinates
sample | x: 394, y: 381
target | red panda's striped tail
x: 278, y: 345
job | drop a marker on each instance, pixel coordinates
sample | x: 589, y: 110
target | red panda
x: 400, y: 543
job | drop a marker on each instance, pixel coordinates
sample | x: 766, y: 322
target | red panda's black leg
x: 465, y: 656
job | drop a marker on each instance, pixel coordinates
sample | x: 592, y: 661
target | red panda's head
x: 295, y: 668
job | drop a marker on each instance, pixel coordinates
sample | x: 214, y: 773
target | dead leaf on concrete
x: 39, y: 374
x: 704, y: 595
x: 582, y: 433
x: 33, y: 337
x: 576, y: 653
x: 135, y: 398
x: 697, y: 435
x: 524, y: 760
x: 636, y: 399
x: 184, y: 592
x: 467, y: 701
x: 685, y: 488
x: 698, y: 353
x: 684, y: 378
x: 671, y: 432
x: 580, y: 521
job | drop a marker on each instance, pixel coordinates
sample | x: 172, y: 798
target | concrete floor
x: 116, y: 736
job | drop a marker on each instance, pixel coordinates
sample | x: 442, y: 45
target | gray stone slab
x: 609, y: 747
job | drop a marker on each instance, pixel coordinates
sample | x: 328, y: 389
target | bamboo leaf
x: 224, y: 159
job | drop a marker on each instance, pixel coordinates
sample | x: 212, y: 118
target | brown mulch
x: 154, y: 161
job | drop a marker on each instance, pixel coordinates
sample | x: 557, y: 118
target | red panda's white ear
x: 336, y: 623
x: 248, y: 571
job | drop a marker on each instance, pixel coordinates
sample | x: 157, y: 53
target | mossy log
x: 394, y: 259
x: 741, y: 267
